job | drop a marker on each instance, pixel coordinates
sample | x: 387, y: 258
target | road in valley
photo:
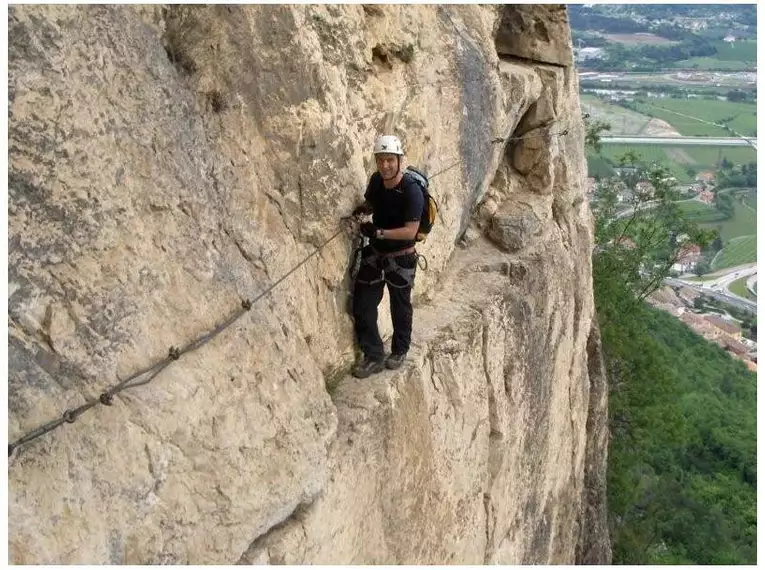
x: 734, y: 300
x: 717, y: 288
x: 681, y: 141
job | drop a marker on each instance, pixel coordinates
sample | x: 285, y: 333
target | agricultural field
x: 598, y: 167
x: 739, y: 234
x: 693, y: 117
x: 736, y: 252
x: 738, y: 56
x: 684, y: 162
x: 709, y: 63
x: 646, y: 152
x: 751, y: 201
x: 640, y: 39
x: 622, y: 121
x: 650, y: 154
x: 689, y: 125
x: 678, y: 159
x: 700, y: 212
x: 742, y: 50
x: 704, y: 80
x: 709, y: 156
x: 742, y: 223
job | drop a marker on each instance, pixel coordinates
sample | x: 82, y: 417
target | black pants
x: 367, y: 294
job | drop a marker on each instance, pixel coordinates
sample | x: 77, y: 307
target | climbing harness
x: 389, y: 265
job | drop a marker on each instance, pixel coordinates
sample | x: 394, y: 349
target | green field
x: 736, y: 252
x: 751, y: 201
x: 676, y: 158
x: 647, y: 153
x: 743, y: 115
x: 737, y: 51
x: 598, y: 166
x: 730, y: 57
x: 684, y: 125
x: 622, y: 121
x: 700, y: 212
x: 704, y: 63
x: 745, y: 123
x: 738, y: 287
x: 739, y: 233
x: 708, y: 156
x: 743, y: 223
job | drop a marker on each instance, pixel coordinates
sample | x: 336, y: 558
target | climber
x: 395, y: 202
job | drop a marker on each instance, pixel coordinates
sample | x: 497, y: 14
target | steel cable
x: 134, y: 380
x: 106, y: 397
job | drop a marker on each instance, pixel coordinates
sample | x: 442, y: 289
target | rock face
x: 168, y: 162
x: 536, y: 32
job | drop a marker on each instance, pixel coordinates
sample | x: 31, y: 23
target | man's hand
x: 368, y: 229
x: 363, y: 209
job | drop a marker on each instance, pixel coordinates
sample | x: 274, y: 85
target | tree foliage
x: 637, y: 250
x: 736, y: 176
x: 592, y: 133
x: 682, y: 460
x: 682, y: 457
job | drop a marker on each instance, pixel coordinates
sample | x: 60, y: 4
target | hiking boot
x: 367, y: 367
x: 395, y: 361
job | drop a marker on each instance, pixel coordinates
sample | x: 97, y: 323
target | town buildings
x: 724, y: 332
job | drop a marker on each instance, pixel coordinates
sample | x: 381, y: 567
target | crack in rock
x: 259, y: 543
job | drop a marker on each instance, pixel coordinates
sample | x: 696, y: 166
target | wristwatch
x: 380, y: 233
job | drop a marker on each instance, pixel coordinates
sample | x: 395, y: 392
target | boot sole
x: 392, y: 366
x: 368, y: 373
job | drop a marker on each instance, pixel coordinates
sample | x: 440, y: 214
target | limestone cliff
x: 168, y: 162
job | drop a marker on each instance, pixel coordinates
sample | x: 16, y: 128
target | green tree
x: 636, y: 252
x: 702, y: 267
x: 593, y: 130
x: 736, y: 95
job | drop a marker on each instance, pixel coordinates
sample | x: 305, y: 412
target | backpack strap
x: 418, y: 177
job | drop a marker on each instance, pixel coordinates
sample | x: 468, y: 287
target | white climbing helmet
x: 388, y: 144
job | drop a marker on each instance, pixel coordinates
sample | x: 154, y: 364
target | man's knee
x: 402, y: 312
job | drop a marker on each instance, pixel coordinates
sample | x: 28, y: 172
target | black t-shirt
x: 393, y: 207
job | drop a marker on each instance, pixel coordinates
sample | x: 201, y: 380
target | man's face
x: 387, y: 165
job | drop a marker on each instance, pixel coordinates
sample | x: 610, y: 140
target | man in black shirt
x: 395, y: 201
